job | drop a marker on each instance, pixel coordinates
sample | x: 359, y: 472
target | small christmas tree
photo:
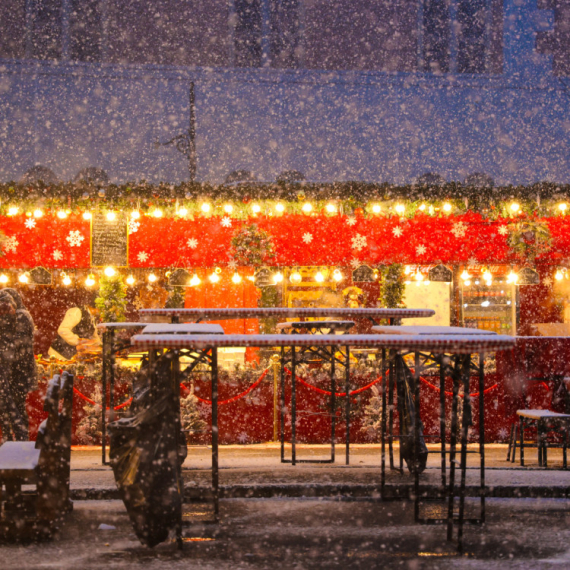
x: 112, y: 299
x: 190, y: 414
x: 372, y: 417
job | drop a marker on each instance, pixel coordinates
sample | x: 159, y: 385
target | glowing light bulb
x: 376, y: 209
x: 38, y: 213
x: 467, y: 282
x: 465, y: 275
x: 111, y: 216
x: 407, y: 270
x: 559, y: 275
x: 331, y: 208
x: 157, y: 213
x: 3, y: 278
x: 24, y: 278
x: 512, y: 277
x: 447, y: 207
x: 110, y: 271
x: 422, y: 207
x: 130, y: 280
x: 280, y: 208
x: 135, y: 214
x: 228, y: 208
x: 236, y: 278
x: 195, y: 281
x: 66, y: 280
x: 319, y: 277
x: 337, y: 275
x: 182, y: 212
x: 214, y: 277
x: 562, y: 207
x: 87, y: 215
x: 206, y: 207
x: 152, y: 277
x: 487, y: 275
x: 419, y: 276
x: 307, y: 207
x: 256, y: 208
x: 13, y: 210
x: 90, y: 281
x: 515, y: 207
x: 278, y: 277
x: 62, y: 214
x: 400, y: 208
x: 295, y: 277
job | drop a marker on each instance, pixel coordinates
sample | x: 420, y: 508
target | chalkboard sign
x: 363, y: 274
x: 441, y: 274
x: 109, y: 240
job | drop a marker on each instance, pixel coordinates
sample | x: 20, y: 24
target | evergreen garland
x: 175, y: 299
x: 112, y: 299
x: 392, y: 286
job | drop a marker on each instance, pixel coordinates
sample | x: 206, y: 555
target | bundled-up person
x: 18, y: 373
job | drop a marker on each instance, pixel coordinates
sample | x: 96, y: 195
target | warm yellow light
x: 62, y: 214
x: 559, y: 275
x: 295, y: 277
x: 90, y: 281
x: 182, y: 212
x: 13, y: 210
x: 3, y: 278
x: 214, y: 277
x: 110, y: 271
x: 228, y: 208
x: 236, y: 278
x: 256, y: 208
x: 467, y: 283
x: 331, y: 208
x: 515, y: 207
x: 66, y: 280
x: 422, y: 207
x: 407, y: 270
x: 38, y: 213
x: 512, y: 277
x: 307, y: 207
x: 111, y: 216
x: 278, y: 277
x: 24, y: 278
x: 376, y: 209
x: 157, y: 213
x: 319, y: 277
x: 447, y: 207
x: 135, y: 214
x: 280, y: 208
x: 195, y: 280
x: 86, y: 215
x: 465, y: 275
x: 130, y: 280
x: 419, y: 276
x: 337, y: 275
x: 400, y: 208
x: 206, y: 207
x: 562, y: 207
x: 152, y: 277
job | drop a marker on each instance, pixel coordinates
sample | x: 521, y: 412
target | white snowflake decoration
x: 355, y: 263
x: 503, y: 230
x: 421, y: 249
x: 232, y: 264
x: 547, y: 281
x: 142, y: 256
x: 459, y: 229
x: 359, y: 242
x: 397, y: 231
x: 30, y: 223
x: 57, y: 255
x: 307, y: 237
x: 134, y: 226
x: 192, y: 243
x: 351, y: 220
x: 11, y: 244
x: 226, y: 222
x: 75, y: 238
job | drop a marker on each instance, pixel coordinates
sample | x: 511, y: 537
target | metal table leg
x: 383, y: 385
x: 452, y: 447
x: 215, y: 438
x: 347, y: 404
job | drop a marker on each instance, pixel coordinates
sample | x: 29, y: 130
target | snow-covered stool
x: 545, y: 421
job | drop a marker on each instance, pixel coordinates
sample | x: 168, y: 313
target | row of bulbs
x: 307, y: 207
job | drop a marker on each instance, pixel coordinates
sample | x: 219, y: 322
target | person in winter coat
x: 18, y: 373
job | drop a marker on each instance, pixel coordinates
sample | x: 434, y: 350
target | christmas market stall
x: 488, y: 258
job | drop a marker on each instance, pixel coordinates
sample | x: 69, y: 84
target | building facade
x: 382, y: 90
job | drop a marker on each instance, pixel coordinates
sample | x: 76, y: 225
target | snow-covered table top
x: 457, y: 344
x: 333, y: 325
x: 542, y: 414
x: 287, y: 313
x: 114, y: 326
x: 430, y: 329
x: 183, y: 328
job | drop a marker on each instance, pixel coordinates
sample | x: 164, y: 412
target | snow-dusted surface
x: 108, y: 326
x: 539, y: 414
x: 315, y: 324
x: 183, y: 328
x: 429, y: 329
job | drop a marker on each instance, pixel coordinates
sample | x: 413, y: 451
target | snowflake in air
x: 397, y: 231
x: 74, y: 238
x: 142, y: 256
x: 11, y: 244
x: 57, y: 255
x: 134, y: 226
x: 459, y: 229
x: 351, y: 220
x: 192, y: 243
x: 307, y: 237
x: 503, y: 434
x: 232, y: 264
x: 547, y: 281
x: 503, y: 230
x: 421, y: 249
x: 359, y: 242
x: 226, y: 222
x: 355, y: 263
x: 30, y: 223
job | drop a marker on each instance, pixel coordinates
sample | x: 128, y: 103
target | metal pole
x: 104, y: 397
x: 282, y: 406
x: 452, y: 444
x: 333, y: 403
x: 215, y: 473
x: 442, y: 418
x: 347, y: 404
x: 293, y: 408
x: 275, y: 365
x: 383, y: 385
x: 482, y: 430
x: 416, y: 446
